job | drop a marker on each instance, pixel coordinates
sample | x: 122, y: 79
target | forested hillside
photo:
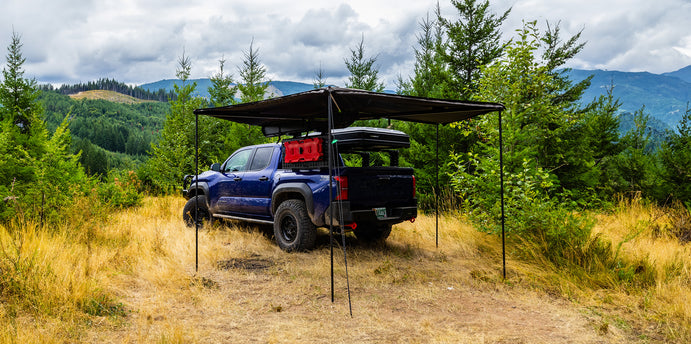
x: 109, y: 134
x: 150, y: 93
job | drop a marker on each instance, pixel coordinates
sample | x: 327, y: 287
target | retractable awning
x: 307, y: 111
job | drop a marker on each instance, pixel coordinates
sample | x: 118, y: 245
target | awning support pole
x: 501, y: 182
x: 436, y: 197
x: 196, y: 205
x: 331, y: 211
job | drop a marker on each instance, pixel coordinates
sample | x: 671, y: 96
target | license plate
x: 380, y: 212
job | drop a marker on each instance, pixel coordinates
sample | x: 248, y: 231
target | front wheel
x: 196, y: 206
x: 293, y: 228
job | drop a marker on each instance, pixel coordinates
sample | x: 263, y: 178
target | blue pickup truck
x: 287, y: 184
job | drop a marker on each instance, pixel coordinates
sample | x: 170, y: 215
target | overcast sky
x: 140, y: 41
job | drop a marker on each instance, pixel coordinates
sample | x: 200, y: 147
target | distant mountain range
x: 664, y: 95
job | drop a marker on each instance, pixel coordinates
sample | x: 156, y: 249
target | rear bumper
x: 342, y: 211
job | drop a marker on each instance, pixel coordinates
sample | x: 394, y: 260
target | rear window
x: 262, y: 158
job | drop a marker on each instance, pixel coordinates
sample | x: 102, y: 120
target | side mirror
x: 216, y: 167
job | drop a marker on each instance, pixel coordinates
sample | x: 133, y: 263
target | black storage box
x: 369, y: 139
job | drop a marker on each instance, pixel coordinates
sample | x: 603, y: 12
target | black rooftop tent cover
x: 333, y: 108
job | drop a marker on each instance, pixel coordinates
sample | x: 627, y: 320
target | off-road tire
x: 372, y: 232
x: 293, y: 228
x: 188, y: 212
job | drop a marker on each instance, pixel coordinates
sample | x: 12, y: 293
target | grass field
x: 111, y: 96
x: 130, y: 278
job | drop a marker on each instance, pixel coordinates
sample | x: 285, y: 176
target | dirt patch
x: 252, y: 263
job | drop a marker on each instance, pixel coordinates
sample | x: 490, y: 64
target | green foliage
x: 675, y: 159
x: 636, y: 164
x: 108, y: 134
x: 121, y: 189
x: 363, y: 72
x: 222, y: 92
x: 553, y: 152
x: 252, y: 74
x: 103, y: 304
x: 173, y: 155
x: 591, y: 175
x: 430, y: 71
x: 17, y: 94
x: 39, y: 174
x: 476, y: 179
x: 471, y: 42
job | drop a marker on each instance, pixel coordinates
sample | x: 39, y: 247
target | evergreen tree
x: 173, y: 155
x: 222, y: 91
x: 636, y: 163
x: 319, y: 78
x: 429, y: 79
x: 675, y: 157
x: 363, y: 72
x: 591, y: 174
x: 551, y: 149
x: 252, y: 74
x: 430, y: 73
x: 17, y: 94
x: 253, y: 88
x: 23, y: 130
x: 37, y: 174
x: 472, y: 41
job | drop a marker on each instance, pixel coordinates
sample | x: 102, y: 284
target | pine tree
x: 363, y: 72
x: 319, y: 78
x: 472, y: 41
x: 24, y: 132
x: 173, y: 155
x: 675, y: 158
x: 222, y: 91
x: 37, y: 172
x: 17, y: 94
x: 252, y: 74
x: 429, y: 74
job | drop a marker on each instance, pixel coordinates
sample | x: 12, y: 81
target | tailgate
x: 370, y: 187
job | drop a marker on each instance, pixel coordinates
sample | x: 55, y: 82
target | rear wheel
x: 196, y: 205
x: 293, y: 228
x: 372, y: 232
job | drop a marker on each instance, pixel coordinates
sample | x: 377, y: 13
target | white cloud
x: 140, y: 41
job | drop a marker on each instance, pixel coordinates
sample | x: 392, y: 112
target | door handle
x: 237, y: 179
x: 263, y: 179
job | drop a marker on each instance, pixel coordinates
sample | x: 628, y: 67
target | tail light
x: 342, y: 188
x: 414, y: 187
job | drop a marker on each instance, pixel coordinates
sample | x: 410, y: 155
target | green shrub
x: 121, y: 189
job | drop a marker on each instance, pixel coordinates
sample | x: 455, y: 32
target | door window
x: 238, y: 161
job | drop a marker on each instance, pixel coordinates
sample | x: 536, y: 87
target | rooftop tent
x: 334, y: 108
x: 308, y: 110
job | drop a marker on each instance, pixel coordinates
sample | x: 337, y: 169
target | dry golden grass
x: 635, y: 230
x: 247, y: 290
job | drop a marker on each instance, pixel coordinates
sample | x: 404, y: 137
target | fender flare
x: 201, y: 189
x: 283, y: 192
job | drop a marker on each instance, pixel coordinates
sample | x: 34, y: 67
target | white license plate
x: 380, y: 212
